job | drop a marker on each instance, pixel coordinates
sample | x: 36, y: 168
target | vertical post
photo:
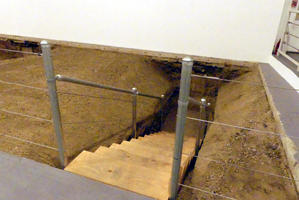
x: 203, y: 104
x: 180, y: 123
x: 48, y: 65
x: 134, y: 112
x: 161, y: 117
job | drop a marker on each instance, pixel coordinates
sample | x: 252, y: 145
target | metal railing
x: 285, y: 39
x: 183, y: 102
x: 52, y: 90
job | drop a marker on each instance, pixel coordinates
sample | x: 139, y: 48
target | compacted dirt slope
x: 109, y: 113
x: 243, y: 105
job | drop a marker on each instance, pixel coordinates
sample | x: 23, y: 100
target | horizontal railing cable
x: 25, y: 115
x: 23, y: 52
x: 293, y: 35
x: 23, y: 85
x: 29, y: 142
x: 293, y: 23
x: 241, y: 82
x: 246, y: 168
x: 88, y: 122
x: 240, y: 127
x: 288, y: 44
x: 207, y: 192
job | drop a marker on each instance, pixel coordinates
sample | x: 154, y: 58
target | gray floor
x: 285, y: 101
x: 23, y: 179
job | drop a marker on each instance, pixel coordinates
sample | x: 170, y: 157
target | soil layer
x: 90, y: 116
x: 226, y: 152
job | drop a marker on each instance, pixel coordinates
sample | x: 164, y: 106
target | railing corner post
x: 183, y: 101
x: 51, y: 82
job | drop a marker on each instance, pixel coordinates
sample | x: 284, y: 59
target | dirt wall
x: 108, y: 113
x: 243, y: 105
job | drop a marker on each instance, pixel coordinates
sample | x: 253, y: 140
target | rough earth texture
x: 227, y: 151
x: 100, y: 118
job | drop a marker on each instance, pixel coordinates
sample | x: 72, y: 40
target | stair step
x: 144, y: 153
x: 138, y: 160
x: 188, y: 141
x: 142, y: 165
x: 131, y: 176
x: 162, y: 145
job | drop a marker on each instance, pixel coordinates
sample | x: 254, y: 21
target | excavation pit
x: 108, y: 116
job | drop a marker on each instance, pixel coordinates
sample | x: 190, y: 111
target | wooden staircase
x: 141, y: 165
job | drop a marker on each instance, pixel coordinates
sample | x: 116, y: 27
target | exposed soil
x: 109, y: 113
x: 243, y: 105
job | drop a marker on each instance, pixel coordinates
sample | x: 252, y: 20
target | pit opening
x: 231, y: 103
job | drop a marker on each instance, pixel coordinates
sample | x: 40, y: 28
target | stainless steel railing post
x: 161, y: 116
x: 134, y: 113
x: 51, y: 81
x: 180, y: 124
x: 200, y: 135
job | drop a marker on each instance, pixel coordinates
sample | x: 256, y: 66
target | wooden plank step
x: 131, y: 176
x: 187, y: 148
x: 128, y: 157
x: 145, y: 153
x: 170, y: 138
x: 161, y: 157
x: 188, y: 141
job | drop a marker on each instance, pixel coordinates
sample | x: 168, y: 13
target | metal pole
x: 51, y: 81
x: 200, y: 135
x: 180, y: 123
x: 134, y: 112
x: 161, y: 117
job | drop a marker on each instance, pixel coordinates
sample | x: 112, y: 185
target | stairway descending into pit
x: 141, y: 165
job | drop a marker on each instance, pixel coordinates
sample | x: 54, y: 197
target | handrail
x: 294, y: 11
x: 98, y: 85
x: 288, y: 44
x: 293, y: 23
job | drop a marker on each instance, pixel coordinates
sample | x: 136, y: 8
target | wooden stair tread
x: 122, y: 174
x: 143, y: 153
x: 128, y: 157
x: 169, y: 138
x: 169, y: 148
x: 188, y: 142
x: 141, y: 165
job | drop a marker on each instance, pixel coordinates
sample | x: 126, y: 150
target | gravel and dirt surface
x: 226, y: 152
x: 108, y: 113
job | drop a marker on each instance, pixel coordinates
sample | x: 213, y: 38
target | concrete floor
x: 284, y: 103
x: 24, y: 179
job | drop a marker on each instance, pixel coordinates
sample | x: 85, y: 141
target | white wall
x: 232, y: 29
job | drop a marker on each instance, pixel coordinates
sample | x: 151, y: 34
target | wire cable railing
x: 185, y: 83
x: 23, y: 85
x: 245, y: 168
x: 244, y: 128
x: 288, y: 44
x: 293, y: 35
x: 29, y: 142
x: 207, y: 192
x: 241, y: 82
x: 26, y: 115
